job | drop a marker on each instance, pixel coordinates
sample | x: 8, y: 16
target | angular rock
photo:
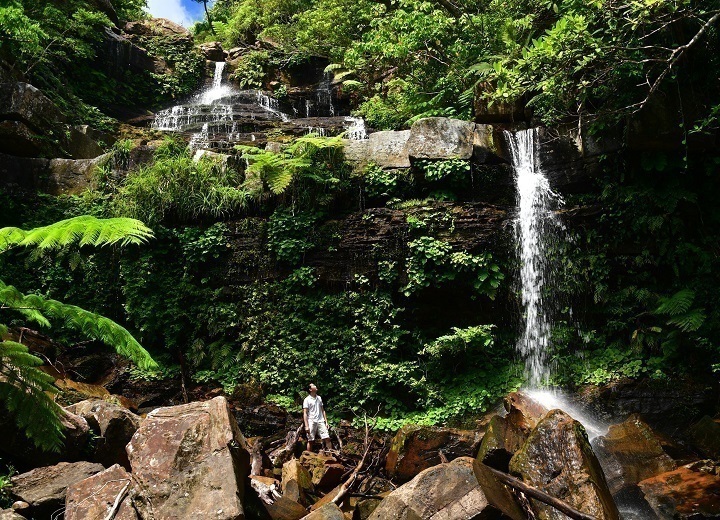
x: 387, y: 149
x: 557, y: 459
x: 284, y: 508
x: 705, y: 436
x: 631, y: 452
x: 189, y: 461
x: 71, y: 177
x: 500, y: 442
x: 324, y: 469
x: 441, y: 138
x: 9, y: 514
x: 683, y: 494
x: 444, y: 492
x: 113, y: 425
x: 213, y: 51
x: 45, y: 488
x: 81, y: 145
x: 376, y: 486
x: 296, y: 481
x: 95, y: 496
x: 416, y: 448
x: 326, y: 512
x: 499, y: 495
x: 523, y: 411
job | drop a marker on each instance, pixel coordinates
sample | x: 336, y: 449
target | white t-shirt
x: 314, y: 406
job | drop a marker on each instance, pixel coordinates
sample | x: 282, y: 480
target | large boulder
x: 45, y: 488
x: 500, y: 442
x: 95, y: 496
x: 443, y: 492
x: 446, y: 138
x: 631, y: 452
x: 189, y: 461
x: 416, y: 448
x: 213, y: 51
x: 683, y: 494
x: 557, y: 459
x: 325, y: 470
x: 81, y: 144
x: 31, y: 125
x: 387, y: 149
x: 523, y: 411
x: 705, y: 436
x: 113, y: 426
x: 296, y: 481
x: 9, y: 514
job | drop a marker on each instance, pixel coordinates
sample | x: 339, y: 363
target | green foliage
x: 449, y: 168
x: 432, y: 262
x: 250, y: 69
x: 289, y: 236
x: 460, y: 341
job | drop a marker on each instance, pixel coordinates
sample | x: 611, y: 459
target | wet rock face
x: 264, y: 419
x: 500, y: 442
x: 631, y: 452
x: 443, y: 492
x: 213, y: 51
x: 45, y: 488
x: 93, y: 497
x: 705, y: 436
x: 416, y: 448
x: 558, y: 460
x: 683, y: 494
x: 113, y: 425
x: 189, y: 461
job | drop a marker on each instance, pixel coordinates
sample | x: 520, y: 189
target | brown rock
x: 683, y: 494
x: 296, y: 481
x: 416, y: 448
x: 441, y: 138
x: 9, y: 514
x: 500, y: 442
x: 557, y: 459
x: 499, y: 495
x: 95, y: 496
x: 631, y: 452
x: 284, y: 508
x: 44, y: 488
x: 80, y: 143
x: 523, y: 411
x: 213, y: 51
x: 326, y: 512
x: 444, y: 492
x: 189, y: 461
x: 114, y: 426
x: 705, y: 436
x: 324, y: 469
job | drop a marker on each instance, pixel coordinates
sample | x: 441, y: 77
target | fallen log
x: 541, y: 496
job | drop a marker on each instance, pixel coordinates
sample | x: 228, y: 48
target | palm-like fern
x: 679, y: 311
x: 24, y: 388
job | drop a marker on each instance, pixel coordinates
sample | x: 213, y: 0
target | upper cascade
x: 220, y: 116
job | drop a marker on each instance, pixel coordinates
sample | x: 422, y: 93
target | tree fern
x: 25, y: 389
x: 679, y: 312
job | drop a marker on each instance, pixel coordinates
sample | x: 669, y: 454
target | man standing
x: 315, y: 419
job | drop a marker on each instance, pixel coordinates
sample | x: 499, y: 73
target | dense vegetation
x: 427, y: 334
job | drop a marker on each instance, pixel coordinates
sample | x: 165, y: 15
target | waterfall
x: 324, y: 94
x: 356, y: 128
x: 271, y: 105
x: 536, y: 228
x: 217, y: 90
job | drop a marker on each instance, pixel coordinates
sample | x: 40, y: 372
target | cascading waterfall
x: 217, y: 90
x: 324, y: 94
x: 535, y: 229
x: 356, y: 128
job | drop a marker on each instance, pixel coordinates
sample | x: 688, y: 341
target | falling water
x: 356, y: 128
x: 271, y: 105
x: 324, y: 94
x: 536, y: 227
x: 217, y: 90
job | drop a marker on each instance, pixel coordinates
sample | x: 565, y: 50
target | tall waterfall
x: 217, y: 90
x: 535, y: 228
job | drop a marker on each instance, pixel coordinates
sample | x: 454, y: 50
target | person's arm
x: 325, y: 415
x: 305, y: 419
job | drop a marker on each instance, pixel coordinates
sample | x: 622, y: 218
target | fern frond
x: 82, y: 230
x: 333, y: 67
x: 25, y: 391
x: 689, y: 321
x: 42, y: 310
x: 677, y: 304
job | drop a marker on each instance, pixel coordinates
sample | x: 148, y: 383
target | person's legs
x: 311, y: 434
x: 324, y: 436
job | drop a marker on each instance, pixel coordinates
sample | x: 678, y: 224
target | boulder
x: 416, y: 448
x: 324, y: 469
x: 80, y: 143
x: 523, y: 411
x: 557, y: 459
x: 95, y: 496
x: 447, y: 491
x: 705, y: 436
x: 631, y: 452
x: 378, y: 488
x: 683, y: 494
x: 225, y: 161
x: 189, y: 461
x: 70, y: 176
x: 213, y: 51
x: 45, y: 488
x: 9, y: 514
x: 113, y: 425
x: 500, y: 442
x: 386, y: 149
x: 296, y: 481
x: 446, y: 138
x: 157, y: 27
x: 31, y: 125
x: 326, y: 512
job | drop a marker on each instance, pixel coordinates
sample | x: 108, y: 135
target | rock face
x: 386, y: 149
x: 81, y: 145
x: 213, y: 51
x: 631, y: 452
x: 113, y: 425
x: 444, y: 492
x: 683, y: 494
x: 705, y: 436
x: 157, y: 27
x: 44, y: 488
x: 446, y: 138
x: 189, y: 461
x: 95, y: 496
x: 51, y: 176
x: 416, y: 448
x: 9, y: 514
x: 500, y: 442
x: 558, y: 460
x: 29, y: 122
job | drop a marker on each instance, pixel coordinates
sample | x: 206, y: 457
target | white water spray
x: 535, y: 228
x: 356, y: 128
x: 217, y: 90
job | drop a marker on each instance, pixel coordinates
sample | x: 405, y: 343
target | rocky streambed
x: 525, y: 461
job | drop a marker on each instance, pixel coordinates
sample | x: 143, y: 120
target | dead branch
x: 345, y: 487
x: 543, y: 497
